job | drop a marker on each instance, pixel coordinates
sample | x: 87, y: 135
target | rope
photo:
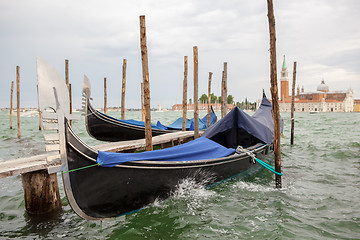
x: 254, y: 160
x: 76, y: 169
x: 267, y: 166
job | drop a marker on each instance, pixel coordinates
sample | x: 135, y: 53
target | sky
x: 322, y: 36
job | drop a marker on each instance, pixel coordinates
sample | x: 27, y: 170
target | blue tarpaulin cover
x: 198, y: 149
x: 258, y: 126
x: 177, y: 125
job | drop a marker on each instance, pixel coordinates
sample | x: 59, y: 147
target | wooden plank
x: 50, y: 126
x: 49, y: 115
x: 140, y: 143
x: 24, y: 165
x: 52, y: 137
x: 52, y: 147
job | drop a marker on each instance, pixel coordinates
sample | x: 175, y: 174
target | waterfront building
x: 321, y: 100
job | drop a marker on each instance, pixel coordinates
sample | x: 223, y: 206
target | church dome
x: 323, y: 87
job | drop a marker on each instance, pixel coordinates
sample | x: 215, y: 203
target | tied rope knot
x: 240, y: 149
x: 254, y: 160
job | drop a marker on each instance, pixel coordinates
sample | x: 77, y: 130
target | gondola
x: 106, y: 128
x: 101, y: 185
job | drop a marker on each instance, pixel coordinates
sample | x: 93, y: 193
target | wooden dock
x: 51, y: 161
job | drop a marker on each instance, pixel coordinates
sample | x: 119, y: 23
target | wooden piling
x: 196, y: 93
x: 225, y: 88
x: 11, y: 103
x: 105, y: 96
x: 41, y: 192
x: 209, y: 100
x: 70, y: 98
x: 40, y: 119
x: 293, y: 105
x: 222, y: 95
x: 184, y: 107
x: 67, y: 72
x: 123, y: 90
x: 142, y: 103
x: 68, y: 85
x: 145, y: 70
x: 18, y: 100
x: 274, y: 92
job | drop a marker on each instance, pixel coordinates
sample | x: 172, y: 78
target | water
x: 319, y: 198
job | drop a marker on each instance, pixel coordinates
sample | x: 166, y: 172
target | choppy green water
x: 320, y: 198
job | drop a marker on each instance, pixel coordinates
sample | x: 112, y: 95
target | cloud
x: 322, y: 36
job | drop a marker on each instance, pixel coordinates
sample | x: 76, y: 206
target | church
x: 321, y: 100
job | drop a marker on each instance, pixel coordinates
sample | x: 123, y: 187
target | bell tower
x: 284, y: 82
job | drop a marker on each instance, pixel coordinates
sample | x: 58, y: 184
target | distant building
x: 202, y: 106
x: 321, y: 100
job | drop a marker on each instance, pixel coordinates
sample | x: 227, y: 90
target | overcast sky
x: 323, y: 36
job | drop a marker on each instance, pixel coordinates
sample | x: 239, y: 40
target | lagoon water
x: 320, y: 198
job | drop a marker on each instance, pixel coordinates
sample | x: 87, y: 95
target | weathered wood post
x: 184, y: 106
x: 196, y: 94
x: 68, y: 85
x: 222, y: 96
x: 105, y: 96
x: 225, y: 89
x: 123, y: 90
x: 209, y: 100
x: 142, y: 103
x: 293, y: 105
x: 41, y: 192
x: 67, y: 72
x: 274, y: 92
x: 11, y: 103
x: 145, y: 70
x: 18, y: 100
x: 70, y: 100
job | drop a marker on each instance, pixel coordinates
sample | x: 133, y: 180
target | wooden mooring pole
x: 41, y: 192
x: 68, y: 85
x: 184, y: 106
x: 11, y: 103
x: 225, y: 88
x: 123, y: 90
x: 293, y: 105
x: 196, y: 93
x: 105, y: 96
x: 142, y: 103
x: 18, y: 100
x: 209, y: 100
x: 145, y: 70
x: 274, y: 92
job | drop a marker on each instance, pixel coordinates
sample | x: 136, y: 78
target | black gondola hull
x: 102, y: 192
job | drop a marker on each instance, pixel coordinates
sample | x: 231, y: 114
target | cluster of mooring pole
x: 274, y: 93
x: 293, y: 105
